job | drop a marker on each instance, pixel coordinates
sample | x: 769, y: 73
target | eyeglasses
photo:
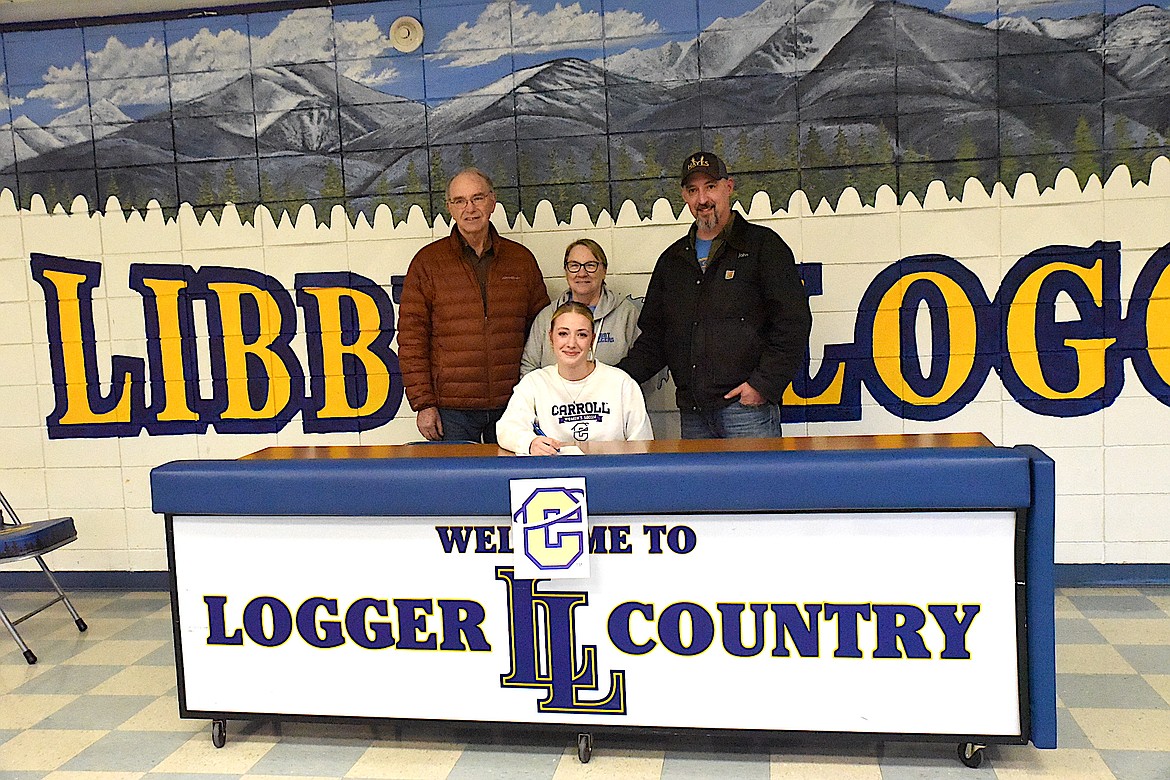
x: 461, y: 203
x: 573, y: 266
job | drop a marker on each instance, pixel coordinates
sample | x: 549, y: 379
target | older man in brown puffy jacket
x: 467, y: 303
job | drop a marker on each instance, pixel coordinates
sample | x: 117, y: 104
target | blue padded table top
x: 474, y: 481
x: 18, y: 541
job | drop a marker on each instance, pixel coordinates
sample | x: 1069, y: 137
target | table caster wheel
x: 971, y: 754
x: 584, y: 748
x: 219, y: 733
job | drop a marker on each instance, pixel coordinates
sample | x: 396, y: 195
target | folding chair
x: 19, y: 541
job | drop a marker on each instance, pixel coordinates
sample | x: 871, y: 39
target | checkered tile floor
x: 101, y: 706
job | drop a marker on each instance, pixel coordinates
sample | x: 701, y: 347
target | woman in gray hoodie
x: 615, y: 319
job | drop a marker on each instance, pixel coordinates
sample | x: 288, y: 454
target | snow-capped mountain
x: 865, y: 69
x: 775, y: 37
x: 28, y: 140
x: 1019, y: 24
x: 1085, y: 28
x: 78, y: 126
x: 32, y: 139
x: 1137, y: 46
x: 1136, y: 43
x: 1145, y: 26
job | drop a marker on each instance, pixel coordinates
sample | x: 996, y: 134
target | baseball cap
x: 704, y: 162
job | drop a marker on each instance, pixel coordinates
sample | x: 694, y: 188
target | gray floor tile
x: 1155, y: 590
x: 133, y: 605
x: 248, y: 728
x: 833, y: 748
x: 40, y: 624
x: 930, y: 761
x: 54, y: 651
x: 17, y: 604
x: 330, y: 750
x: 1147, y: 659
x: 1106, y: 606
x: 1077, y: 631
x: 37, y: 628
x: 513, y: 762
x: 701, y: 766
x: 164, y: 656
x: 351, y: 732
x: 1111, y: 691
x: 14, y: 672
x: 69, y: 678
x: 9, y: 656
x: 1068, y: 731
x: 147, y: 628
x: 1137, y: 764
x: 127, y: 751
x: 320, y: 758
x: 96, y: 712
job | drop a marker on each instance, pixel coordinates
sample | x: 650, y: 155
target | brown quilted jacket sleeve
x: 414, y: 334
x: 537, y: 295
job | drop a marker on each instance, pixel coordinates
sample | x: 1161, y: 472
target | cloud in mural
x: 6, y: 100
x: 504, y: 23
x: 117, y: 73
x: 972, y: 7
x: 135, y: 75
x: 359, y: 43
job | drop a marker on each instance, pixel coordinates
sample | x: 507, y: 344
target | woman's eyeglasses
x: 573, y: 266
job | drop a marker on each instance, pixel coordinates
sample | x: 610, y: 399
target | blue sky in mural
x: 728, y: 9
x: 128, y: 64
x: 199, y: 45
x: 262, y: 25
x: 310, y: 90
x: 147, y: 40
x: 468, y: 46
x: 28, y: 57
x: 472, y: 45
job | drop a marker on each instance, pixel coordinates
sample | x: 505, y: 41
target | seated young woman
x: 576, y: 400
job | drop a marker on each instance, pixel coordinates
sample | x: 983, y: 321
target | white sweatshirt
x: 607, y: 405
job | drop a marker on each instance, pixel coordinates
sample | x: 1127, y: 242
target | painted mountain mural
x: 818, y: 95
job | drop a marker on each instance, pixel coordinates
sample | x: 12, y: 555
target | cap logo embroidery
x: 729, y: 275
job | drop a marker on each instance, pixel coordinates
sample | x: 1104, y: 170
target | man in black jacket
x: 726, y: 311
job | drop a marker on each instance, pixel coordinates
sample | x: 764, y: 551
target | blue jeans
x: 731, y: 422
x: 474, y: 425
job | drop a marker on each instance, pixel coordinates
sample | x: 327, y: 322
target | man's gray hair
x: 471, y: 169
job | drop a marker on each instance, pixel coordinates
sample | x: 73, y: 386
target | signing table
x: 898, y: 586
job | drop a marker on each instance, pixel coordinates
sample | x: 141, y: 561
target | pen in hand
x: 543, y: 442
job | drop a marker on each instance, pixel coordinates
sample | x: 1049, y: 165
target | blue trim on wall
x: 11, y: 581
x: 1125, y: 574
